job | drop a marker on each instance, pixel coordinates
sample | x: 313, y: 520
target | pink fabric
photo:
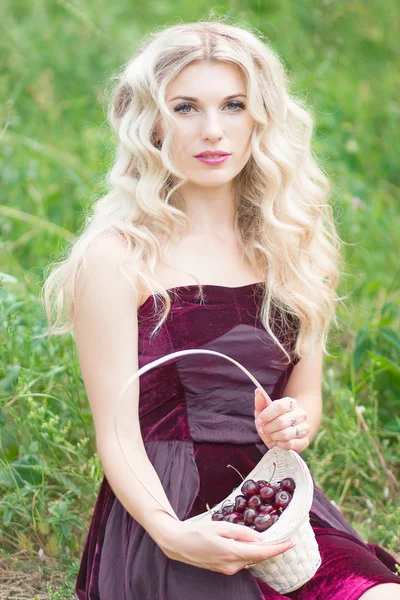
x: 348, y: 570
x: 196, y: 417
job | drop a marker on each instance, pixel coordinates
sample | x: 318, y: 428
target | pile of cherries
x: 259, y: 505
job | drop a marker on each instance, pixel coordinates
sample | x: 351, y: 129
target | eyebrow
x: 196, y: 99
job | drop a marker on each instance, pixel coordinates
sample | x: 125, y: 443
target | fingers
x: 261, y: 401
x: 296, y: 432
x: 236, y: 532
x: 284, y: 424
x: 240, y: 536
x: 293, y: 438
x: 298, y: 445
x: 277, y: 408
x: 240, y: 548
x: 225, y: 555
x: 289, y: 419
x: 258, y: 553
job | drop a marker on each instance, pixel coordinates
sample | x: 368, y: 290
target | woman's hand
x: 218, y: 546
x: 281, y: 423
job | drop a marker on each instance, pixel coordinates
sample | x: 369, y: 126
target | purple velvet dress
x: 197, y: 417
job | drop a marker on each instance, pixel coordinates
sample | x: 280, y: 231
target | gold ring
x: 250, y: 565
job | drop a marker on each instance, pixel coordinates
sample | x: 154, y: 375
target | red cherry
x: 227, y: 509
x: 249, y: 515
x: 262, y: 482
x: 267, y: 493
x: 274, y: 519
x: 267, y: 509
x: 233, y: 517
x: 254, y: 502
x: 282, y: 499
x: 263, y: 522
x: 240, y: 503
x: 217, y: 516
x: 288, y: 485
x: 249, y: 488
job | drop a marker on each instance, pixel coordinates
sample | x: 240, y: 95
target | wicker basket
x: 292, y: 569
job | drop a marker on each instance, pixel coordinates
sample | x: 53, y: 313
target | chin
x: 213, y: 178
x: 216, y: 183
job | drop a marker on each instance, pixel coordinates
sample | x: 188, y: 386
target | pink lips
x: 213, y: 161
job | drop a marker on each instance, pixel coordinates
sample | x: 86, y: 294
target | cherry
x: 249, y: 488
x: 267, y: 493
x: 233, y: 517
x: 263, y: 522
x: 262, y: 482
x: 240, y: 503
x: 217, y: 516
x: 259, y: 506
x: 282, y: 499
x: 267, y: 509
x: 288, y: 485
x: 227, y: 509
x: 249, y: 515
x: 254, y: 502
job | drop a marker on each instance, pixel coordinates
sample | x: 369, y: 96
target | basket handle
x: 151, y: 366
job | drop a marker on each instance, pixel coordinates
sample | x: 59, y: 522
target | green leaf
x: 391, y: 337
x: 363, y: 343
x: 7, y: 517
x: 382, y: 361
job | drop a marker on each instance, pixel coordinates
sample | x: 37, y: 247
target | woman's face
x: 208, y: 121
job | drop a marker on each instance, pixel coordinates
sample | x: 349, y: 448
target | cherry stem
x: 236, y: 471
x: 273, y: 472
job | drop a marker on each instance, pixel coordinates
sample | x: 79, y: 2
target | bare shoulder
x: 105, y: 250
x: 101, y: 268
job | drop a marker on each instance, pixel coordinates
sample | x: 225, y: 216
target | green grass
x: 55, y: 148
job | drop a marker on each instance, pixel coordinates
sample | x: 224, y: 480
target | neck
x: 210, y: 210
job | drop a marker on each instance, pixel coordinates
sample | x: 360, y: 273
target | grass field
x: 55, y: 148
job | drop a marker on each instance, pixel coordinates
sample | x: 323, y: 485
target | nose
x: 212, y: 126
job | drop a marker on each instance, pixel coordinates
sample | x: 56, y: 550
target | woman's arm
x: 106, y: 334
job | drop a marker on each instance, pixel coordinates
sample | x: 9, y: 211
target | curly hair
x: 284, y: 224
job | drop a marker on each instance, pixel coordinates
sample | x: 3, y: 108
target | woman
x: 253, y: 227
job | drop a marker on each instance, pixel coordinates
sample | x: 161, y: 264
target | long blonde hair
x: 284, y: 224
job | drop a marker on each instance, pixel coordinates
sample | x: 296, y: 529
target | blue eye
x: 179, y: 108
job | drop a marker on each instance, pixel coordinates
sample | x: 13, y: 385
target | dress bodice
x: 202, y: 397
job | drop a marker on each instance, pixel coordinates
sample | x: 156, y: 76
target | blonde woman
x: 214, y: 183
